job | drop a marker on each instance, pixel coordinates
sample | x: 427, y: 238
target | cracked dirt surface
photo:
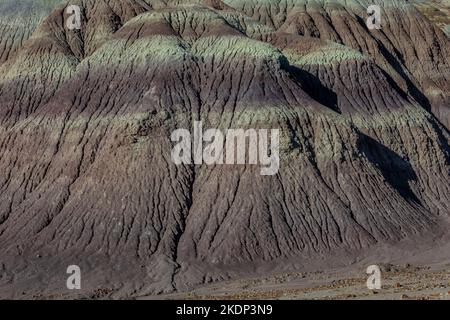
x: 86, y: 118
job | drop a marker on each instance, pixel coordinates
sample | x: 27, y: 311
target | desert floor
x: 398, y: 283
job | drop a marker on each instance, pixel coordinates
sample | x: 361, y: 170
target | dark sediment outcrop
x: 86, y: 118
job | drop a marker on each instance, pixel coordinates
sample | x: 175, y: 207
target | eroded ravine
x: 86, y: 152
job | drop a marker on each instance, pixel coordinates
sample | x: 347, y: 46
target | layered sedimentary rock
x: 86, y: 120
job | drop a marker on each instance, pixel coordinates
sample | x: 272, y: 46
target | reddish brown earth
x: 85, y: 151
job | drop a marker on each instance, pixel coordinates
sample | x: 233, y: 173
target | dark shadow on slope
x: 415, y: 92
x: 397, y: 171
x: 314, y: 88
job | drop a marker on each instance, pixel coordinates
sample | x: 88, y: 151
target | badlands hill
x: 85, y: 153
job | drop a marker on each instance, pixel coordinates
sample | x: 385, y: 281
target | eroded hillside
x: 86, y: 118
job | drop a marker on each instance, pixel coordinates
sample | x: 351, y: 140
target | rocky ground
x: 85, y: 153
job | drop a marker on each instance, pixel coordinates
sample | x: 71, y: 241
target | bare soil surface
x: 86, y: 118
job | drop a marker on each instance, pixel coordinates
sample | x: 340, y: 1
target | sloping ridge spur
x: 86, y: 119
